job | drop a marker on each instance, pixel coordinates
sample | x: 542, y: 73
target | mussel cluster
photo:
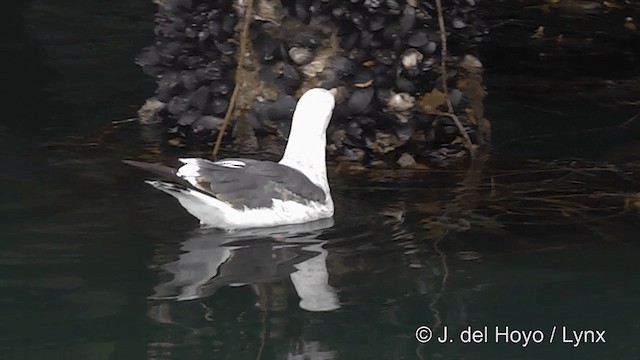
x: 383, y: 57
x: 192, y: 60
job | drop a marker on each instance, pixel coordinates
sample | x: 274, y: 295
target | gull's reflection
x: 213, y: 259
x: 310, y: 350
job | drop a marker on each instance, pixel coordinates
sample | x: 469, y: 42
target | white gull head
x: 307, y: 143
x: 313, y: 113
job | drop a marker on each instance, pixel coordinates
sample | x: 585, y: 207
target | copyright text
x: 508, y: 335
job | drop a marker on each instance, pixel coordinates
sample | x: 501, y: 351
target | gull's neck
x: 306, y: 152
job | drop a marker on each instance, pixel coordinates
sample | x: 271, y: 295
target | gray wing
x: 240, y: 182
x: 253, y: 183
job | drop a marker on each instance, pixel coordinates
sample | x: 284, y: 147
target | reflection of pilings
x: 559, y: 40
x: 272, y: 296
x: 503, y: 203
x: 303, y: 350
x: 165, y: 348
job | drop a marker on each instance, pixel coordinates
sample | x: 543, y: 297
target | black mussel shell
x: 430, y: 136
x: 219, y: 105
x: 427, y: 65
x: 373, y: 4
x: 342, y: 65
x: 228, y: 24
x: 307, y: 39
x: 164, y: 95
x: 418, y: 39
x: 365, y: 122
x: 260, y: 107
x: 191, y: 32
x: 169, y: 52
x: 178, y: 105
x: 227, y: 61
x: 153, y: 71
x: 405, y: 85
x: 199, y: 98
x: 339, y: 12
x: 358, y: 19
x: 176, y: 6
x: 446, y: 130
x: 383, y: 95
x: 203, y: 35
x: 302, y: 11
x: 221, y: 4
x: 361, y: 55
x: 384, y: 75
x: 219, y: 88
x: 212, y: 14
x: 360, y: 100
x: 267, y: 73
x: 189, y: 79
x: 207, y: 123
x: 193, y: 62
x: 430, y: 48
x: 188, y: 118
x: 421, y: 119
x: 215, y: 29
x: 255, y: 123
x: 267, y: 47
x: 348, y: 42
x: 202, y: 8
x: 201, y: 74
x: 178, y: 24
x: 290, y: 78
x: 282, y: 109
x: 376, y: 22
x: 226, y: 48
x: 148, y: 57
x: 386, y: 57
x: 393, y: 5
x: 213, y: 71
x: 341, y: 111
x: 363, y: 78
x: 330, y: 82
x: 169, y: 82
x: 407, y: 20
x: 366, y: 39
x: 458, y: 23
x: 354, y: 130
x: 391, y: 32
x: 405, y: 132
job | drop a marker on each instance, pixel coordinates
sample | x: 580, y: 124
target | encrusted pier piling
x: 399, y: 102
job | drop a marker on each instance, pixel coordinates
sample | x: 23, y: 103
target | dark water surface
x: 94, y: 264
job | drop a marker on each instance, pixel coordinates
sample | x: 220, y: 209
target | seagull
x: 239, y: 193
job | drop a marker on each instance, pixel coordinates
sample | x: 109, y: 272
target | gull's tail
x: 209, y: 210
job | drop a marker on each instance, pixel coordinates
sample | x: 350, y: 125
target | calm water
x: 94, y: 264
